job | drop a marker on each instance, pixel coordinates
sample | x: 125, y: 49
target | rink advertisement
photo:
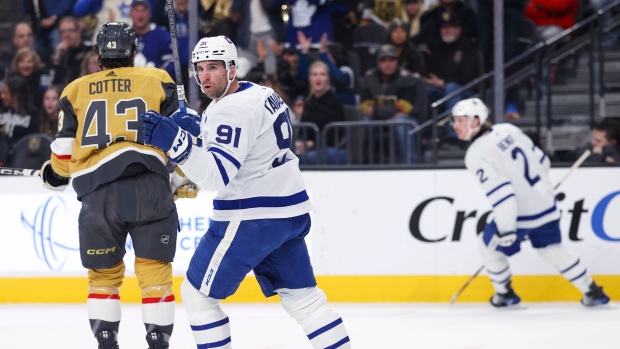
x: 377, y: 236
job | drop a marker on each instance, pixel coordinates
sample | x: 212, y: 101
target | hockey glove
x: 165, y: 134
x: 189, y: 121
x: 181, y: 187
x: 51, y: 179
x: 506, y: 239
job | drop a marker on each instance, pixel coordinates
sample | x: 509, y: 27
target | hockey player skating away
x: 514, y: 175
x: 122, y: 183
x: 260, y: 213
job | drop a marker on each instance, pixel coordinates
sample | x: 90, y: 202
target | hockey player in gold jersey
x: 122, y: 183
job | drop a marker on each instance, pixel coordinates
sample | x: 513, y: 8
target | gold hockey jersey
x: 99, y: 130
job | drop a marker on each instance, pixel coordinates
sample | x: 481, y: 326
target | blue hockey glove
x: 506, y: 239
x: 51, y: 179
x: 189, y: 121
x: 165, y: 134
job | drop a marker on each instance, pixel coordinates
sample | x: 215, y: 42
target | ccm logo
x: 102, y: 250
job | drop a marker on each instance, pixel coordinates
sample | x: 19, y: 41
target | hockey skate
x: 156, y: 341
x: 595, y: 296
x: 507, y: 299
x: 107, y: 340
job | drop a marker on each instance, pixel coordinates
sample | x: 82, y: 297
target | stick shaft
x: 175, y: 53
x: 10, y: 171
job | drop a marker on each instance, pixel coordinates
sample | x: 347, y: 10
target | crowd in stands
x: 389, y: 59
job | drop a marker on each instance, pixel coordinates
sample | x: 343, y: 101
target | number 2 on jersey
x: 516, y: 151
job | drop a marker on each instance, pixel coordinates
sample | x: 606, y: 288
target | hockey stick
x: 10, y: 171
x: 572, y: 169
x: 175, y: 53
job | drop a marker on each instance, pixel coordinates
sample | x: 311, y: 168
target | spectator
x: 412, y: 13
x: 28, y: 65
x: 70, y: 52
x: 344, y: 20
x: 341, y: 75
x: 391, y: 93
x: 408, y: 56
x: 287, y: 74
x: 48, y: 120
x: 382, y: 10
x: 431, y: 21
x: 258, y: 20
x: 45, y: 16
x: 312, y: 17
x: 18, y: 117
x: 90, y: 64
x: 603, y: 144
x: 452, y: 62
x: 22, y: 38
x: 321, y: 107
x: 154, y: 43
x: 94, y: 13
x: 551, y: 16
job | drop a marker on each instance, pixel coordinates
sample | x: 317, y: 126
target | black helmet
x: 116, y: 40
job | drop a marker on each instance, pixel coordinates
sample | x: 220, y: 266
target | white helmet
x: 471, y: 108
x: 219, y: 48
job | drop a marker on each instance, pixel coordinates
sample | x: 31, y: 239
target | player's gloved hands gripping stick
x: 51, y: 179
x: 164, y: 133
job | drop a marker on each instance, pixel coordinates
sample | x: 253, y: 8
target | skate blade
x: 608, y: 306
x: 512, y: 307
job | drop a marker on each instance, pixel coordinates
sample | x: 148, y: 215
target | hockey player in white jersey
x: 260, y: 215
x: 514, y: 175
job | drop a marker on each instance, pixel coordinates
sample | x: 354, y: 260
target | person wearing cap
x: 389, y: 92
x: 408, y: 56
x: 451, y: 62
x: 432, y: 20
x: 154, y: 43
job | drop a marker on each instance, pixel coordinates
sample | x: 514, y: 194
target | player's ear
x: 233, y: 72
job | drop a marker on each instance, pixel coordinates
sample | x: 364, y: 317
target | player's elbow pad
x: 51, y: 179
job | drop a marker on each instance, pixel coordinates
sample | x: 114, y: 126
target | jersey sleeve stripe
x: 222, y: 169
x: 536, y: 216
x: 62, y: 157
x: 226, y: 156
x: 261, y: 201
x: 62, y: 146
x: 504, y: 199
x: 497, y: 188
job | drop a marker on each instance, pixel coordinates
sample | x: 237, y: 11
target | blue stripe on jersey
x: 543, y: 158
x: 222, y: 169
x: 339, y: 343
x: 502, y: 200
x: 226, y: 156
x: 214, y: 344
x: 261, y: 201
x: 244, y: 86
x: 325, y: 328
x: 571, y: 267
x: 536, y: 216
x: 497, y: 188
x: 209, y: 326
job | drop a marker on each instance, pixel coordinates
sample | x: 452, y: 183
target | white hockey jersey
x: 246, y: 157
x: 514, y: 175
